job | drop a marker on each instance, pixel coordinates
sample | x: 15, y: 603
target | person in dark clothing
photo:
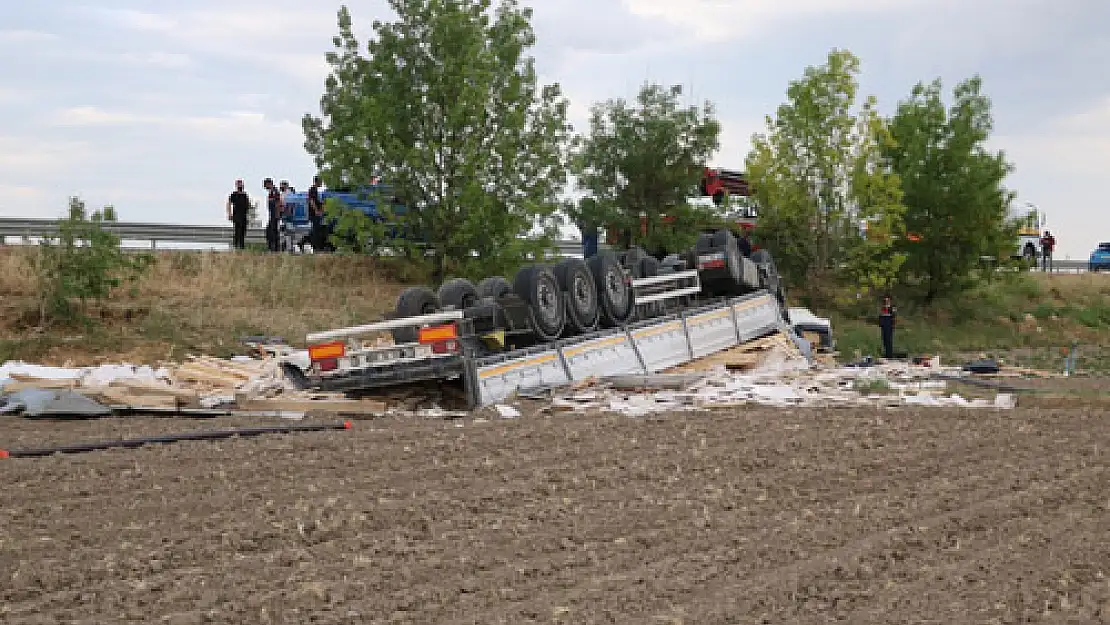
x: 886, y: 326
x: 1048, y: 245
x: 316, y: 217
x: 238, y: 209
x: 745, y: 244
x: 274, y: 208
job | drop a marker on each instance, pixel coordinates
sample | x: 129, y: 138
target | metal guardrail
x: 221, y: 235
x: 177, y: 233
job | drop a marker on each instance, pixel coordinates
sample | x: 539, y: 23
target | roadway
x: 182, y: 236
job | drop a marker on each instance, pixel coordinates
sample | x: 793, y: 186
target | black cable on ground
x: 170, y: 438
x: 985, y: 384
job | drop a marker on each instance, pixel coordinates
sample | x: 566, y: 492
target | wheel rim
x: 582, y: 293
x: 547, y: 302
x: 614, y: 287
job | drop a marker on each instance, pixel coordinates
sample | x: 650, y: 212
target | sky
x: 156, y: 107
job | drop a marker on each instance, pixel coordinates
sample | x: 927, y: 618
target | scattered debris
x: 772, y: 371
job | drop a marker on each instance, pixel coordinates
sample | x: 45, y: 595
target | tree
x: 83, y: 263
x: 818, y: 177
x: 955, y: 201
x: 646, y: 159
x: 447, y: 110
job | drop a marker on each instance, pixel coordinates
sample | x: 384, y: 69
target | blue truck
x: 296, y: 225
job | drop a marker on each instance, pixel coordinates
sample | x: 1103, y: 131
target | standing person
x: 274, y: 207
x: 238, y: 209
x: 316, y: 216
x: 1048, y: 244
x: 887, y: 314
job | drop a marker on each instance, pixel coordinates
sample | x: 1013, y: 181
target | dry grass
x: 197, y: 302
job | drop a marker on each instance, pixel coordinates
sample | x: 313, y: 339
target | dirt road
x: 930, y: 516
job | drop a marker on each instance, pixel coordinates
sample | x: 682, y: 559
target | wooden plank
x: 121, y: 397
x: 200, y: 369
x: 185, y: 398
x: 214, y: 379
x: 29, y: 381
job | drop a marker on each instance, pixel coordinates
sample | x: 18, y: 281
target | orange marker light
x: 324, y: 351
x: 436, y: 334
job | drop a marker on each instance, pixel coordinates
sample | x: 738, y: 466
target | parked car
x: 1100, y: 258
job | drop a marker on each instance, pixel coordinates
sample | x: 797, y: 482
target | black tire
x: 769, y: 274
x: 672, y: 264
x: 762, y: 257
x: 649, y: 267
x: 632, y: 260
x: 413, y: 302
x: 494, y: 287
x: 615, y: 297
x: 538, y: 287
x: 576, y: 280
x: 458, y: 292
x: 732, y: 282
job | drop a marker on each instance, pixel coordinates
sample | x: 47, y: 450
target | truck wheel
x: 632, y: 260
x: 615, y: 305
x: 762, y: 257
x: 458, y: 292
x: 495, y: 287
x: 767, y: 270
x: 537, y: 285
x: 414, y: 301
x: 733, y: 282
x: 577, y: 282
x: 672, y: 264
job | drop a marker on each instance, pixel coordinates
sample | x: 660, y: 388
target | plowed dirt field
x: 753, y: 516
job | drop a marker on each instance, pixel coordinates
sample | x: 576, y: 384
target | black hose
x: 132, y: 443
x: 985, y: 384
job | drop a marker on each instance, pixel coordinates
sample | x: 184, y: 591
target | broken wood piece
x: 30, y: 381
x: 204, y: 369
x: 207, y: 377
x: 121, y: 397
x: 183, y: 396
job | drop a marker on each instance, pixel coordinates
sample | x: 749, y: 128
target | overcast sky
x: 156, y: 107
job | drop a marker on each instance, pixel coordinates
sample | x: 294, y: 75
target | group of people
x: 239, y: 205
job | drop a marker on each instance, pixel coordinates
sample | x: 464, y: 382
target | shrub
x: 83, y: 263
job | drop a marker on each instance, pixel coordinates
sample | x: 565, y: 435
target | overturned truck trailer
x: 612, y: 314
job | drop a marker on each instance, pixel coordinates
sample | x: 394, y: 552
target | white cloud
x: 20, y: 156
x: 723, y: 20
x: 167, y: 60
x: 18, y: 37
x: 234, y: 124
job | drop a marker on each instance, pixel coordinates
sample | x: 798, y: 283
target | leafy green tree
x: 817, y: 176
x: 83, y: 263
x: 646, y: 158
x: 446, y: 108
x: 956, y: 204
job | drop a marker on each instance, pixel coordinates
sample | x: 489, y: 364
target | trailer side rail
x: 646, y: 347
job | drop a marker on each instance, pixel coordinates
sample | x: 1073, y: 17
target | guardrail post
x: 686, y: 333
x: 636, y: 350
